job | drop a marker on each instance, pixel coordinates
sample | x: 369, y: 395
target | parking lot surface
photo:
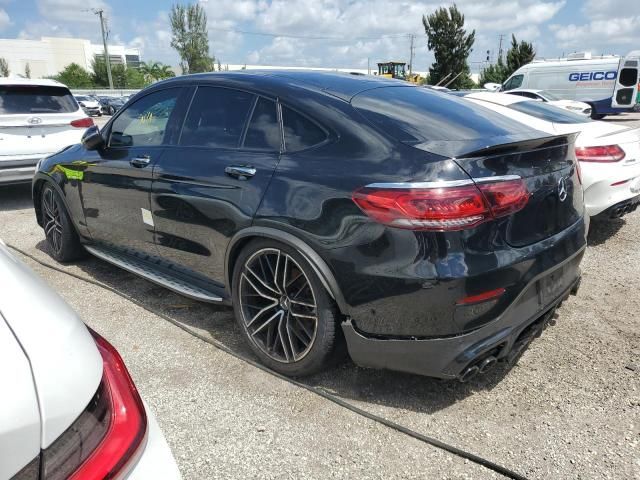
x: 569, y: 409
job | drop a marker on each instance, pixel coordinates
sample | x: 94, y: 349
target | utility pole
x: 100, y: 12
x: 500, y: 47
x: 411, y: 49
x: 368, y: 66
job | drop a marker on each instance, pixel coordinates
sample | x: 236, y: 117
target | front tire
x: 283, y: 310
x: 62, y: 239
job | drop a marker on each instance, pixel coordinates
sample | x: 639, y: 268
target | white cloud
x: 80, y: 11
x: 599, y: 33
x: 5, y: 20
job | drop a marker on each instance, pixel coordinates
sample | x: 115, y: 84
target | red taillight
x: 606, y: 153
x: 482, y: 297
x: 82, y: 123
x: 442, y: 208
x: 105, y: 437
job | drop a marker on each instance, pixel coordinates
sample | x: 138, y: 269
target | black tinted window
x: 513, y: 82
x: 216, y: 118
x: 547, y: 112
x: 299, y: 131
x: 263, y: 131
x: 144, y: 123
x: 418, y: 115
x: 36, y: 99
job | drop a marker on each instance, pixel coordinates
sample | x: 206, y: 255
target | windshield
x: 549, y: 96
x: 16, y: 99
x: 547, y: 112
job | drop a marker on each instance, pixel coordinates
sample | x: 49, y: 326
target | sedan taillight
x: 442, y: 208
x: 600, y: 154
x: 107, y: 434
x: 82, y: 123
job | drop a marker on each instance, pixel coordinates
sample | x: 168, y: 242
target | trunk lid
x: 548, y: 168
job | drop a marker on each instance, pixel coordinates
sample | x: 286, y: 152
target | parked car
x: 70, y: 409
x: 609, y: 154
x: 37, y: 118
x: 110, y: 105
x: 419, y: 223
x: 608, y: 83
x: 552, y: 99
x: 90, y: 105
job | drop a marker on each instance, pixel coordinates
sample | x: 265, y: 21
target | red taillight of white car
x: 82, y: 123
x: 106, y: 436
x: 600, y: 154
x: 446, y: 208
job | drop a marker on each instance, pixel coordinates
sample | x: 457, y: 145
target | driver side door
x: 117, y: 180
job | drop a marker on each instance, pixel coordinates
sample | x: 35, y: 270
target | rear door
x: 117, y: 179
x: 210, y: 185
x: 626, y: 87
x: 35, y: 121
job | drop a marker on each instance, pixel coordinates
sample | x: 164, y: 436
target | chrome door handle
x: 240, y: 172
x: 140, y: 161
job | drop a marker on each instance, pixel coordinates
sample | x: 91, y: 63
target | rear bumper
x: 619, y: 209
x: 18, y: 170
x: 449, y: 357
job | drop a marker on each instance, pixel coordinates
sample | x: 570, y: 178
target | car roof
x: 43, y: 82
x: 498, y: 98
x: 530, y: 90
x: 342, y: 85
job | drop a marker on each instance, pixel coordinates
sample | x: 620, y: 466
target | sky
x: 334, y: 33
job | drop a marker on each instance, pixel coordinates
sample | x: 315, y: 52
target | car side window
x: 216, y: 118
x: 144, y: 123
x: 263, y: 132
x: 299, y: 131
x: 514, y: 82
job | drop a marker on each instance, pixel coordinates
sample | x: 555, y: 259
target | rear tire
x: 283, y: 310
x: 62, y: 240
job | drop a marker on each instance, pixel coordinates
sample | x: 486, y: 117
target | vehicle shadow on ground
x: 15, y: 197
x: 346, y: 380
x: 602, y: 230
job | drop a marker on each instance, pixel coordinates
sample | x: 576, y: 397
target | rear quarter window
x: 299, y: 132
x: 25, y: 99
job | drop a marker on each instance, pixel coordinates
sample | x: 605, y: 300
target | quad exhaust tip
x: 482, y: 366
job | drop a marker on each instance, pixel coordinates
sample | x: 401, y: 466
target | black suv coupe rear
x: 432, y: 235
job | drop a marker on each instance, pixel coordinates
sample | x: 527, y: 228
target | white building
x: 50, y: 55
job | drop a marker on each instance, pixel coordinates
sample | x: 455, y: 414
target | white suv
x: 37, y: 118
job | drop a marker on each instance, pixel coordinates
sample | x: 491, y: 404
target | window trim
x: 165, y: 141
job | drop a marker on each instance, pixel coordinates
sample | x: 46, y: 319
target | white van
x: 608, y: 83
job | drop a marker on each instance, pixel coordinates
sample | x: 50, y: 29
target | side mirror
x: 92, y: 139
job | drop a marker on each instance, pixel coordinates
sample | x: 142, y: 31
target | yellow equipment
x: 396, y: 70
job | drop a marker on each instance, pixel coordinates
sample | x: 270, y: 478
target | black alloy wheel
x: 283, y: 309
x: 62, y: 239
x: 51, y: 220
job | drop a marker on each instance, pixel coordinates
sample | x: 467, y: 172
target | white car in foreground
x: 548, y: 97
x: 37, y: 118
x: 69, y: 407
x: 609, y: 154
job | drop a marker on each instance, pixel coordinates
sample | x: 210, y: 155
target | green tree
x: 496, y: 73
x: 451, y: 46
x: 189, y: 38
x: 27, y: 70
x: 154, y: 71
x: 74, y: 76
x: 519, y: 54
x: 4, y: 68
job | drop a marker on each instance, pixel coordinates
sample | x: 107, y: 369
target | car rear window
x: 36, y: 99
x: 547, y: 112
x: 416, y: 115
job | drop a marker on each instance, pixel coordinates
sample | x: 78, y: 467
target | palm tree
x: 154, y: 71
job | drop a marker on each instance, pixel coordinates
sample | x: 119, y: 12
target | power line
x: 311, y: 37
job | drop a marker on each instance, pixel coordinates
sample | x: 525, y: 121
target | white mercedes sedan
x: 69, y: 407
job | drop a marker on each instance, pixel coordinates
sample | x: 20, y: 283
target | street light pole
x: 99, y: 12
